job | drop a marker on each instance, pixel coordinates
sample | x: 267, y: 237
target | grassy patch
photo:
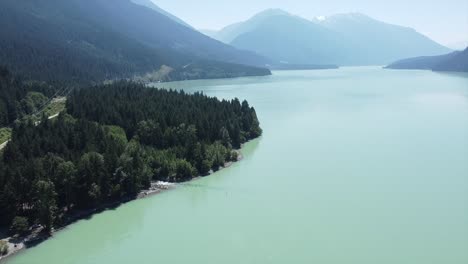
x: 55, y: 107
x: 5, y: 134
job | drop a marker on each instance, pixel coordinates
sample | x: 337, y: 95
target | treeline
x: 215, y: 70
x: 127, y: 104
x: 113, y: 142
x: 18, y: 99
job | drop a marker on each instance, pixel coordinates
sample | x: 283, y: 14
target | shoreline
x: 18, y: 245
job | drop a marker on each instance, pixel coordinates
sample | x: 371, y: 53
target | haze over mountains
x: 96, y: 40
x: 343, y: 39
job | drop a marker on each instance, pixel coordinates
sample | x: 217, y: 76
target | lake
x: 356, y: 166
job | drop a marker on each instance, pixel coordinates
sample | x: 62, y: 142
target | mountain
x: 96, y: 40
x: 287, y: 38
x: 376, y: 42
x: 152, y: 5
x: 345, y: 39
x: 455, y: 62
x: 231, y: 32
x: 158, y: 31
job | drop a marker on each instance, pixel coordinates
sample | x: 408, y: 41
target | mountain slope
x: 348, y: 39
x: 40, y: 43
x: 455, y: 61
x: 231, y: 32
x: 156, y: 30
x: 91, y: 41
x: 152, y: 5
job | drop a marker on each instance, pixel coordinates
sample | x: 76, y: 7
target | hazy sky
x: 445, y: 21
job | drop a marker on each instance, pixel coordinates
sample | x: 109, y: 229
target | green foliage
x: 184, y: 171
x: 20, y: 225
x: 117, y: 133
x: 66, y: 180
x: 92, y: 181
x: 115, y: 140
x: 234, y: 156
x: 19, y: 99
x: 32, y: 103
x: 135, y: 173
x: 45, y: 203
x: 55, y: 107
x: 165, y: 118
x: 5, y: 134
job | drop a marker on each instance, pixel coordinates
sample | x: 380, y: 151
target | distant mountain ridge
x: 343, y: 39
x: 377, y: 42
x: 455, y: 62
x: 152, y: 5
x: 231, y: 32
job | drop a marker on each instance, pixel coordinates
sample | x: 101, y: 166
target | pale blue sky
x: 445, y: 21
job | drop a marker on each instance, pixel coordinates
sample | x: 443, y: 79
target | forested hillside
x: 113, y: 142
x: 90, y: 41
x: 18, y: 99
x: 52, y: 47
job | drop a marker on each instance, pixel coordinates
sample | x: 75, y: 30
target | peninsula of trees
x: 112, y: 142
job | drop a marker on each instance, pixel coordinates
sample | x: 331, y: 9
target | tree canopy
x: 110, y: 143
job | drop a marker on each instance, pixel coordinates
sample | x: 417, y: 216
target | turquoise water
x: 356, y: 166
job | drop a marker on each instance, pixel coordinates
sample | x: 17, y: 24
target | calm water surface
x: 356, y: 166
